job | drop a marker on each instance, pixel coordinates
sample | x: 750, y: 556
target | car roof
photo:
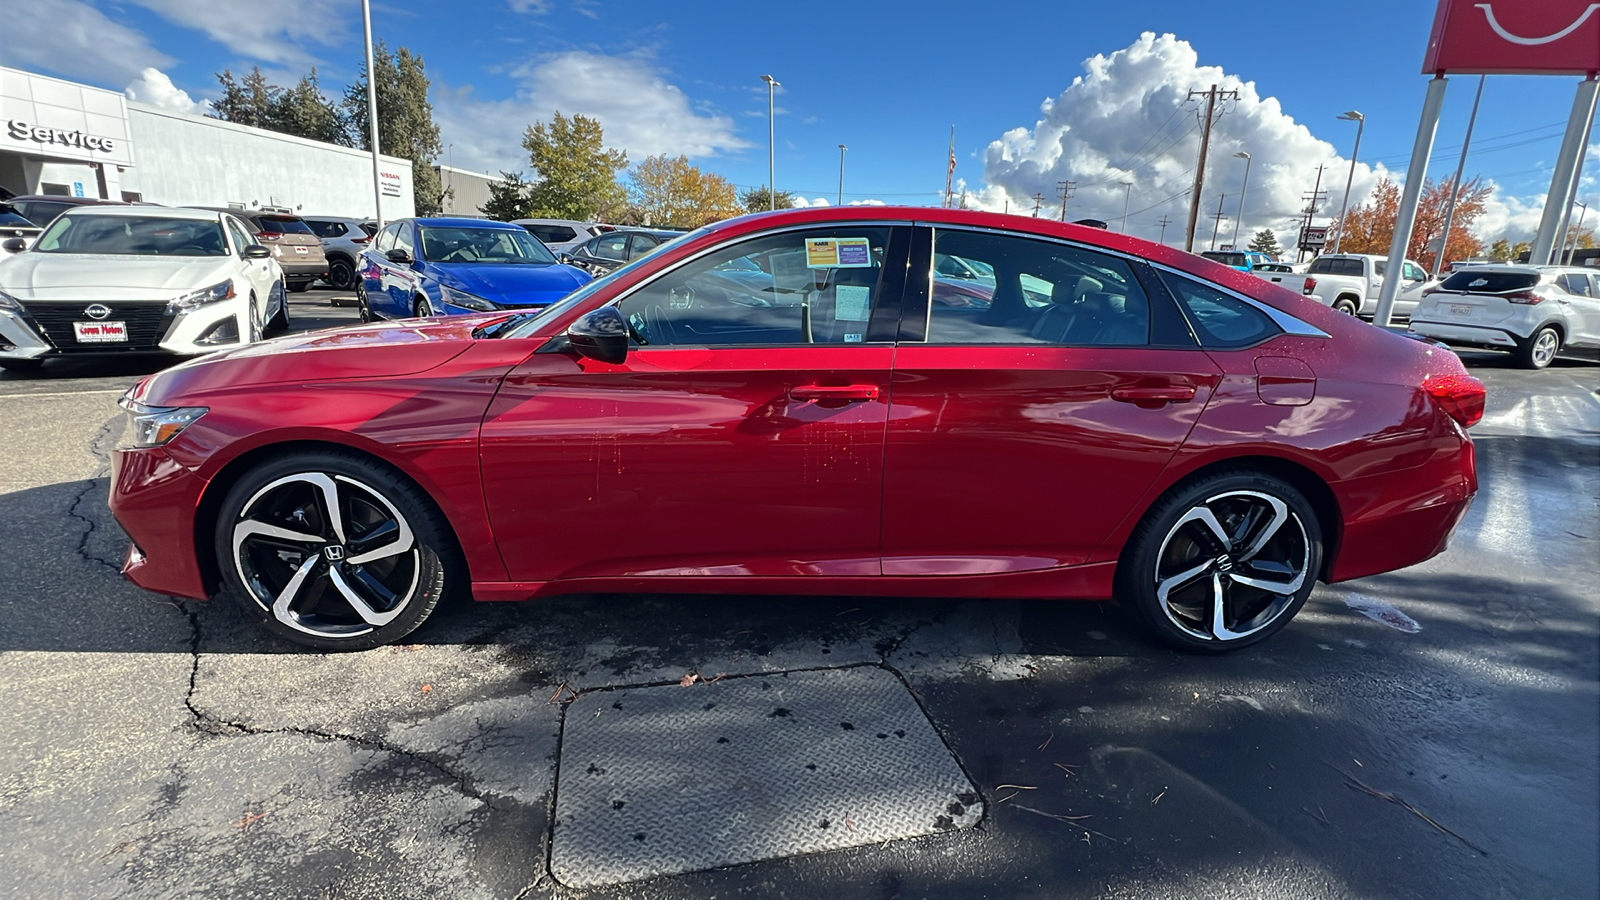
x: 550, y: 222
x: 58, y: 198
x: 162, y: 212
x: 335, y: 219
x: 462, y: 221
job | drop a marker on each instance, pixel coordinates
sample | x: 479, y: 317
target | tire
x: 21, y: 365
x: 363, y: 311
x: 341, y: 273
x: 1540, y: 349
x: 1176, y: 567
x: 1347, y: 306
x: 279, y: 323
x: 315, y: 577
x: 258, y: 328
x: 422, y: 309
x: 299, y: 287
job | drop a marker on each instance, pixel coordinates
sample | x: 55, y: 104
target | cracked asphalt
x: 154, y: 748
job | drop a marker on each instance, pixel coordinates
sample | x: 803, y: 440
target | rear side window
x: 1227, y: 259
x: 42, y: 214
x: 552, y: 234
x: 611, y: 247
x: 283, y: 224
x: 1476, y: 281
x: 1576, y: 283
x: 326, y: 229
x: 1221, y: 321
x: 1337, y: 266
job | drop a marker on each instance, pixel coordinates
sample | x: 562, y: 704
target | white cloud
x: 75, y: 40
x: 155, y: 88
x: 1128, y: 119
x: 274, y: 33
x: 640, y: 110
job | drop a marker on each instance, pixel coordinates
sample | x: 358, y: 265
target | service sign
x: 1515, y: 37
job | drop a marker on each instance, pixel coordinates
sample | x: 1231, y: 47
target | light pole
x: 1240, y: 217
x: 372, y: 115
x: 1127, y: 194
x: 772, y: 187
x: 1361, y: 124
x: 842, y: 148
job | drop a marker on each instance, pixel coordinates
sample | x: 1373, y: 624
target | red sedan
x: 776, y: 404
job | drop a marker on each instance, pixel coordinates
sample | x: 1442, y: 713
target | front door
x: 742, y: 436
x: 1032, y: 408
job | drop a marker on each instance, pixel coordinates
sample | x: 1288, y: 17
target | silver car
x: 1533, y: 311
x: 560, y: 235
x: 343, y: 240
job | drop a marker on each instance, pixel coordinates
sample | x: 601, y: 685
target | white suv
x: 1533, y: 311
x: 560, y: 235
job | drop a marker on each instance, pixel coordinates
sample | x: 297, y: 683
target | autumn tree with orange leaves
x: 1370, y: 226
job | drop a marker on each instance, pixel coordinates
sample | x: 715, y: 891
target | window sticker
x: 852, y: 339
x: 838, y: 253
x: 850, y: 302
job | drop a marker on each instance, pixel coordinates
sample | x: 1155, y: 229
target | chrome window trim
x: 1287, y: 322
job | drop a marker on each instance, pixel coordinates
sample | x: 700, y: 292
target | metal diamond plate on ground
x: 665, y: 780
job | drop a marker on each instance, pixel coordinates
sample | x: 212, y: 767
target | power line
x: 1066, y: 188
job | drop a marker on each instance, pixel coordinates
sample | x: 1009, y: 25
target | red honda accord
x: 784, y: 404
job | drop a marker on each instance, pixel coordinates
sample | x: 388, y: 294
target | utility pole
x: 1316, y: 196
x: 1216, y: 221
x: 1037, y: 199
x: 1200, y: 167
x: 1164, y: 223
x: 1127, y: 194
x: 1066, y: 194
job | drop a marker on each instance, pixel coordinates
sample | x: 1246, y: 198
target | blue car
x: 441, y: 267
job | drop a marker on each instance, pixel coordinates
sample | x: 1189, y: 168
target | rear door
x: 1582, y: 306
x: 1025, y: 426
x: 742, y: 436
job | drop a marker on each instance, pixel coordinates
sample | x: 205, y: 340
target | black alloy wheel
x: 1223, y: 562
x: 334, y: 551
x: 341, y: 273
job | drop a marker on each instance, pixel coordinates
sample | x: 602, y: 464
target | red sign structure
x: 1515, y: 37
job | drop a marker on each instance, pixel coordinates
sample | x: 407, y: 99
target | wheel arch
x: 222, y: 481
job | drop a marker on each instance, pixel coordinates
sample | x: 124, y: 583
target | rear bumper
x: 1398, y: 519
x: 1476, y: 335
x: 297, y: 270
x: 154, y: 499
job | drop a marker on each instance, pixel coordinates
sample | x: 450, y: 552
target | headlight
x: 8, y: 302
x: 466, y: 300
x: 214, y: 294
x: 152, y: 426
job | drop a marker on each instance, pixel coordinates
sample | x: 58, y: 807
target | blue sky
x: 888, y: 79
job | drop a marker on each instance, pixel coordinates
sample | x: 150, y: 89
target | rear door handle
x: 849, y: 392
x: 1166, y: 393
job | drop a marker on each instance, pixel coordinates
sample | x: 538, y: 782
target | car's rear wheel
x: 1223, y: 562
x: 333, y: 551
x: 1347, y: 306
x: 341, y: 273
x: 1540, y: 349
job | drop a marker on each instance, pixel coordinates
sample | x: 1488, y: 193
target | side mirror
x: 14, y: 245
x: 256, y: 251
x: 602, y: 335
x: 564, y: 259
x: 398, y: 255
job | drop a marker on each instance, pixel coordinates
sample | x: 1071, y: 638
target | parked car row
x: 1351, y: 283
x: 1532, y: 311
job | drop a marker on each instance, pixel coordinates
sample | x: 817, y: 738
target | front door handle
x: 848, y: 392
x: 1166, y: 393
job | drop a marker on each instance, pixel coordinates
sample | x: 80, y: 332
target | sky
x: 1038, y: 93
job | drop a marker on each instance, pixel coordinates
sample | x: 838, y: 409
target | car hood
x: 513, y: 284
x: 379, y: 350
x: 87, y: 276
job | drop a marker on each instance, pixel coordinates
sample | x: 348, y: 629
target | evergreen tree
x: 247, y: 102
x: 1266, y: 242
x: 508, y: 198
x: 577, y: 174
x: 303, y: 111
x: 405, y: 120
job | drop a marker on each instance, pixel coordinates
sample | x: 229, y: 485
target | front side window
x: 612, y: 247
x: 641, y: 244
x: 468, y: 244
x: 1003, y: 289
x: 1220, y: 320
x: 385, y: 241
x: 404, y: 239
x: 134, y: 236
x: 1415, y: 273
x: 817, y: 286
x: 236, y: 231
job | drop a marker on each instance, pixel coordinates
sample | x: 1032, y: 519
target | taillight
x: 1310, y: 285
x: 360, y: 240
x: 270, y: 235
x: 1523, y: 298
x: 1460, y: 396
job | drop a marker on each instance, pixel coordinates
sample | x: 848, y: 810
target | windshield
x: 134, y: 236
x: 466, y: 244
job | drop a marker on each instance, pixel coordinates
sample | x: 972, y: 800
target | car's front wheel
x: 423, y: 309
x: 1223, y: 562
x: 334, y: 551
x: 1540, y: 349
x: 279, y: 323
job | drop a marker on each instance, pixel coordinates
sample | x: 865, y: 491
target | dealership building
x: 59, y: 137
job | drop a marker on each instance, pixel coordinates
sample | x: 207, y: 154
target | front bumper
x: 154, y: 499
x: 45, y: 329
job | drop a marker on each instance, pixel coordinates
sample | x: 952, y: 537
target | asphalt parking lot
x: 1433, y: 732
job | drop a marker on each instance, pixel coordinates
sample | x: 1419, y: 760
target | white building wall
x: 466, y: 191
x: 184, y: 160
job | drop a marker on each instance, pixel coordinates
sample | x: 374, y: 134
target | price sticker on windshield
x: 838, y: 253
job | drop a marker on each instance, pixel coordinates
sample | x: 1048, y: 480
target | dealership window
x: 1000, y: 289
x: 1221, y: 321
x: 132, y: 197
x: 800, y: 287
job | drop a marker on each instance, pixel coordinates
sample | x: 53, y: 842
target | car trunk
x: 1483, y: 298
x: 293, y: 243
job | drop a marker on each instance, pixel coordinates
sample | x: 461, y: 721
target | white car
x: 561, y: 235
x: 1533, y: 311
x: 118, y: 279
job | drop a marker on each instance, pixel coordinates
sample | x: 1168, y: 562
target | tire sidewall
x: 1135, y: 583
x: 1526, y: 353
x: 438, y: 574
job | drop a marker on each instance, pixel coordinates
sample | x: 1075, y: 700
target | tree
x: 1500, y: 251
x: 302, y: 110
x: 577, y: 174
x: 405, y: 119
x: 1520, y: 249
x: 508, y: 198
x: 1266, y: 242
x: 247, y: 102
x: 756, y: 200
x: 670, y: 192
x: 1368, y: 228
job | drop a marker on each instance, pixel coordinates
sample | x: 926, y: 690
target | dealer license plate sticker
x: 100, y: 332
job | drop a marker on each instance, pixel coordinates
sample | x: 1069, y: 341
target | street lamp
x: 1127, y: 194
x: 842, y: 148
x: 1240, y: 217
x: 772, y: 187
x: 372, y: 114
x: 1361, y: 124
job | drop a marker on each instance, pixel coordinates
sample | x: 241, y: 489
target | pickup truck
x: 1243, y: 260
x: 1351, y: 282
